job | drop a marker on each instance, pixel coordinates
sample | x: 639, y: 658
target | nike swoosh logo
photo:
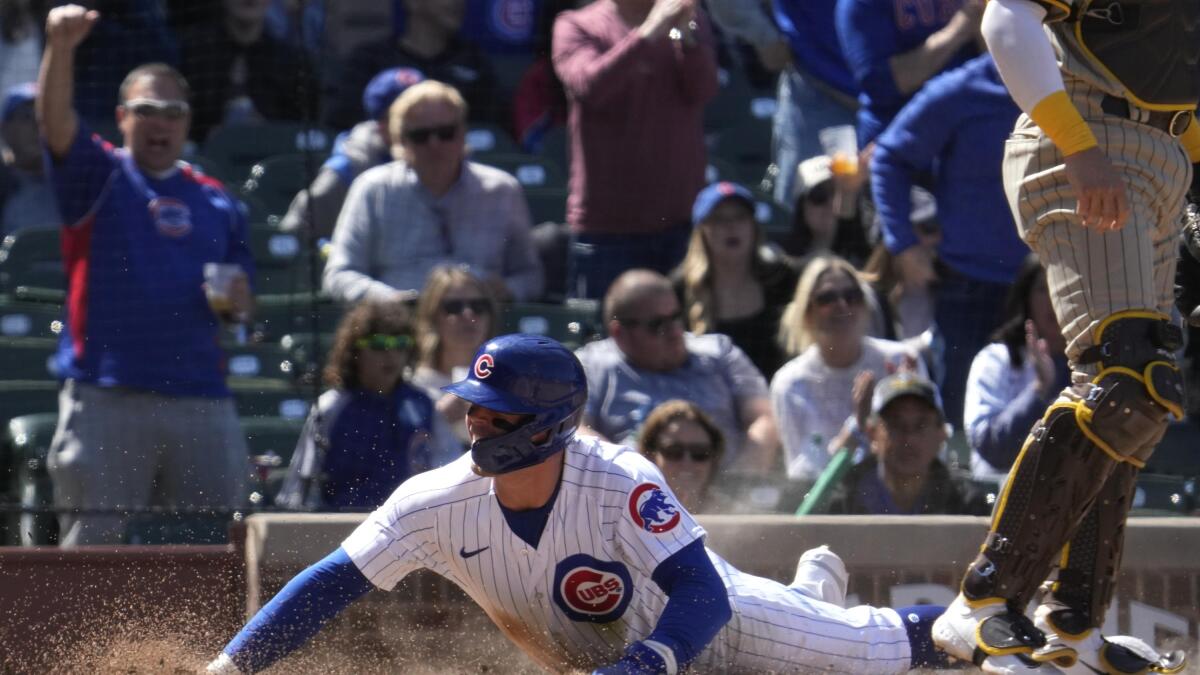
x: 471, y: 554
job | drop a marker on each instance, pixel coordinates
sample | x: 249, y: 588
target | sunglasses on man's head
x: 445, y: 132
x: 456, y: 307
x: 699, y: 452
x: 150, y: 107
x: 851, y: 296
x: 385, y: 343
x: 657, y: 325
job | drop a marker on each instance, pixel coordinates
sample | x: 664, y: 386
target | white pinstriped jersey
x: 586, y: 592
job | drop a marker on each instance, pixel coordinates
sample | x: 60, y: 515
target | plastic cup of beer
x: 841, y: 144
x: 218, y: 281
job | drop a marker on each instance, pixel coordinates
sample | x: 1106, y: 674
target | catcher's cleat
x: 990, y: 635
x: 1088, y: 652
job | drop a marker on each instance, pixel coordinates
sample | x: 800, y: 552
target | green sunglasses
x: 385, y: 343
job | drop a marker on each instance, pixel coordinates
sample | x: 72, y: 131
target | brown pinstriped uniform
x: 1093, y: 274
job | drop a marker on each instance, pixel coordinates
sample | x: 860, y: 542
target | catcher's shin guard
x: 1076, y: 602
x: 1073, y: 449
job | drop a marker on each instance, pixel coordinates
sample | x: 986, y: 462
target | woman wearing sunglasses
x: 455, y: 314
x: 826, y: 217
x: 687, y: 446
x: 821, y: 398
x: 372, y: 429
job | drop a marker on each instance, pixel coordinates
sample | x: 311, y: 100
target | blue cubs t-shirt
x: 134, y: 249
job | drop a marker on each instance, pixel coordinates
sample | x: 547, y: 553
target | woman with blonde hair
x: 455, y: 314
x: 821, y: 398
x: 730, y: 283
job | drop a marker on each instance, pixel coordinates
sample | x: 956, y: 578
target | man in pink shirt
x: 638, y: 74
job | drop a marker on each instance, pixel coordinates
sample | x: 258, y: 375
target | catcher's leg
x: 1097, y: 426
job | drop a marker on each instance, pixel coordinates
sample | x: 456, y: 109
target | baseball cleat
x: 1090, y: 652
x: 989, y: 635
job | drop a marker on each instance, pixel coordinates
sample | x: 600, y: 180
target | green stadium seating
x: 547, y: 205
x: 255, y: 360
x: 27, y: 358
x: 271, y: 441
x: 775, y: 219
x: 31, y: 258
x: 25, y: 397
x: 160, y: 529
x: 483, y: 137
x: 276, y: 179
x: 1178, y: 453
x: 27, y: 439
x: 573, y: 324
x: 262, y: 397
x: 214, y: 169
x: 746, y: 147
x: 1159, y: 494
x: 281, y: 261
x: 530, y: 170
x: 286, y: 314
x: 237, y: 148
x: 30, y: 319
x: 556, y: 147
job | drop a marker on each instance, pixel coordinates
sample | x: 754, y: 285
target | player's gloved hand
x: 1187, y: 268
x: 642, y: 658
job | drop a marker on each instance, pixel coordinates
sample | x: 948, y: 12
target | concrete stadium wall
x: 892, y: 561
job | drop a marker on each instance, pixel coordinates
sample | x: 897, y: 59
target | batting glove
x: 223, y: 665
x: 647, y: 657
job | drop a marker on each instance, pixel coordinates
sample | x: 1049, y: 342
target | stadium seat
x: 483, y: 137
x: 237, y: 148
x: 27, y: 358
x: 556, y: 146
x: 31, y: 258
x: 25, y: 397
x: 775, y: 218
x: 746, y: 147
x: 547, y: 205
x: 1178, y: 453
x: 285, y: 314
x: 263, y: 397
x: 737, y: 102
x: 276, y: 179
x: 308, y: 351
x: 1158, y: 495
x: 530, y: 170
x: 263, y: 359
x: 271, y: 441
x: 281, y: 261
x: 27, y: 439
x: 573, y: 324
x: 30, y: 319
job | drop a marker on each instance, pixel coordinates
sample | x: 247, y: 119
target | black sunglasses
x: 657, y: 325
x: 699, y: 452
x: 445, y: 132
x: 385, y: 343
x: 149, y: 107
x: 851, y: 296
x: 456, y: 307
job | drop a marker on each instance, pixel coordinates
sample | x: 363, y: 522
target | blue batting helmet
x: 524, y: 375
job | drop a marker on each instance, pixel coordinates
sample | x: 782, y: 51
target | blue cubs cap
x: 716, y: 193
x: 905, y: 383
x: 385, y: 87
x: 15, y: 97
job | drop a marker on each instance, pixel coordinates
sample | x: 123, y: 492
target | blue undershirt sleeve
x: 298, y: 612
x: 697, y: 606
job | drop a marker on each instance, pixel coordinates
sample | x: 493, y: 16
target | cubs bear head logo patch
x: 587, y: 589
x: 483, y: 366
x: 171, y: 217
x: 652, y: 509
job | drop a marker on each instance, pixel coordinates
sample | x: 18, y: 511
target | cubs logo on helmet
x: 172, y: 217
x: 484, y: 365
x: 587, y: 589
x: 652, y: 510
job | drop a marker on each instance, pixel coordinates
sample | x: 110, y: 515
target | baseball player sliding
x: 581, y: 554
x: 1096, y: 173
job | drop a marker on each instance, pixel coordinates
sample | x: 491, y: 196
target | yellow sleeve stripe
x: 1059, y: 119
x: 1191, y: 140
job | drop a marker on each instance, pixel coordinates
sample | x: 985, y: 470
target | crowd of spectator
x: 737, y: 359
